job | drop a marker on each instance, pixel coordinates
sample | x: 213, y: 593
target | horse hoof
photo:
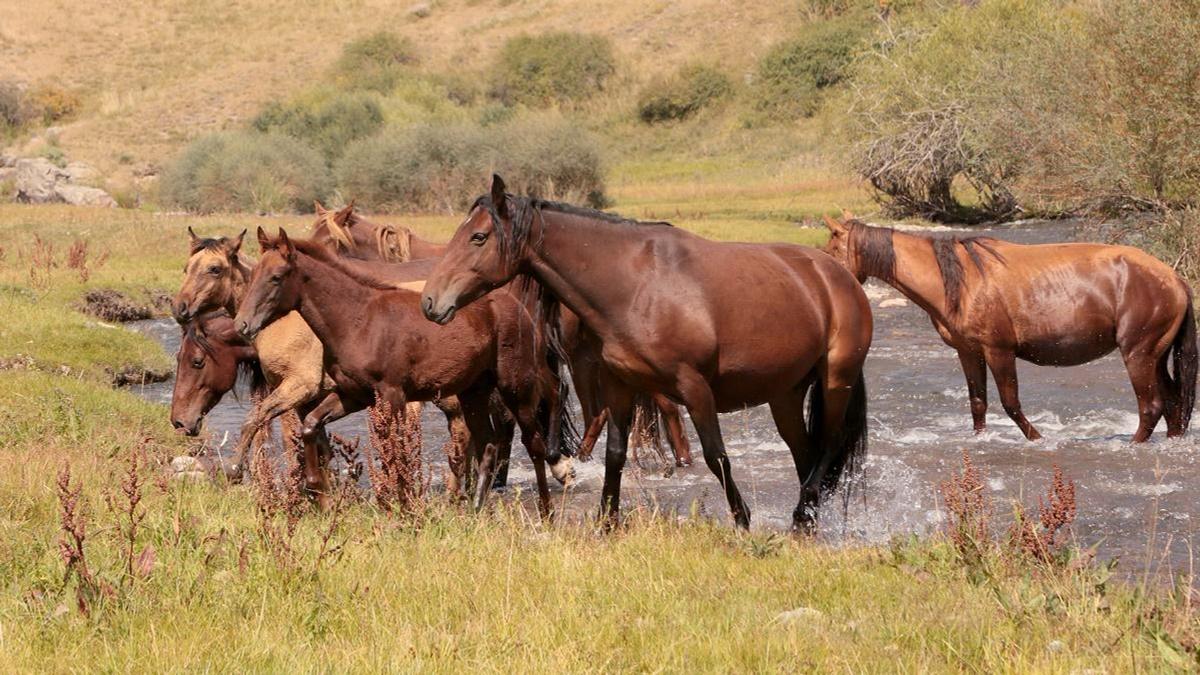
x: 564, y: 471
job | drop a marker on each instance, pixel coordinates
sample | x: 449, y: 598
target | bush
x: 1054, y: 108
x: 257, y: 172
x: 375, y: 62
x: 444, y: 167
x: 792, y: 74
x: 12, y: 110
x: 541, y: 70
x: 51, y: 103
x: 327, y: 126
x: 683, y: 94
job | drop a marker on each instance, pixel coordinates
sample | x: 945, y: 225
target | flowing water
x: 1135, y: 502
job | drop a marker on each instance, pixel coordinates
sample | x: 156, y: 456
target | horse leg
x: 1172, y: 403
x: 1003, y: 364
x: 456, y: 446
x: 475, y: 407
x: 535, y: 445
x: 673, y: 421
x: 1143, y: 375
x: 975, y: 369
x: 788, y: 413
x: 316, y: 452
x: 698, y: 397
x: 619, y: 405
x: 287, y: 396
x: 504, y: 426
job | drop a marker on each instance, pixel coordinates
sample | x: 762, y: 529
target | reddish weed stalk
x: 395, y: 468
x: 71, y: 545
x: 132, y: 514
x: 41, y: 261
x: 970, y: 511
x: 77, y: 259
x: 1056, y: 513
x: 279, y: 498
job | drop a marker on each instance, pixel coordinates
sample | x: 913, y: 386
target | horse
x: 212, y: 358
x: 353, y: 236
x: 715, y: 326
x: 289, y: 353
x: 1049, y: 304
x: 379, y: 348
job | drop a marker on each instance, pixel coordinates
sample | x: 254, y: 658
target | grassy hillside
x: 154, y: 75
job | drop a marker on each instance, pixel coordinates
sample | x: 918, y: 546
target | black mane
x: 876, y: 251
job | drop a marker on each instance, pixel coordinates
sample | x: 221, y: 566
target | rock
x: 420, y: 10
x: 185, y: 463
x: 80, y: 172
x: 801, y: 616
x: 894, y: 302
x: 81, y: 195
x: 7, y: 160
x: 36, y: 180
x: 190, y: 477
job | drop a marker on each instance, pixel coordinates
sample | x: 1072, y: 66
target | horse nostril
x: 243, y: 327
x: 177, y: 424
x: 427, y: 305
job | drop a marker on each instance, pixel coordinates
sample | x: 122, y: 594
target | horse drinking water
x: 715, y: 326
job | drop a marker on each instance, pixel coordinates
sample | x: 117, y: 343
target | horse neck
x: 572, y: 261
x: 239, y: 281
x: 917, y: 275
x: 330, y: 301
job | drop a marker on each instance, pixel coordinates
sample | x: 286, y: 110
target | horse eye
x: 214, y: 270
x: 276, y: 279
x: 478, y: 238
x: 197, y: 363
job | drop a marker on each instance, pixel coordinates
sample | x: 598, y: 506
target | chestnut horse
x: 1053, y: 305
x: 353, y: 236
x: 715, y: 326
x: 212, y: 358
x: 378, y: 347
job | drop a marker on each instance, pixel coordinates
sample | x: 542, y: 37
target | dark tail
x: 850, y: 446
x: 1187, y: 363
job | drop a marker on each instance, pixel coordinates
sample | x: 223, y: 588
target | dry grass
x: 154, y: 74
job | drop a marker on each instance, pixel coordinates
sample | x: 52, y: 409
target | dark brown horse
x: 212, y: 358
x: 353, y: 236
x: 377, y: 346
x: 1054, y: 305
x: 715, y: 326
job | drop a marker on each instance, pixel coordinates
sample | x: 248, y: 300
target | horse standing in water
x: 378, y: 347
x: 716, y: 326
x: 353, y: 236
x: 1053, y: 304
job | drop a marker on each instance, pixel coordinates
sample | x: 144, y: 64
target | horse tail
x: 849, y: 447
x: 1187, y: 363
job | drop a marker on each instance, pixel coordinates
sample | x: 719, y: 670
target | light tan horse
x: 352, y: 236
x: 995, y: 301
x: 291, y: 357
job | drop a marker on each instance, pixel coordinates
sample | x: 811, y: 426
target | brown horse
x: 1054, y: 305
x: 716, y: 326
x: 290, y: 355
x: 379, y: 347
x: 212, y: 358
x: 353, y: 236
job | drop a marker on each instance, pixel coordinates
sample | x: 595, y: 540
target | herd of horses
x: 529, y: 296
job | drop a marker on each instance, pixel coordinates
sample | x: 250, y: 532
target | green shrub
x: 792, y: 74
x: 541, y: 70
x: 445, y: 166
x: 327, y: 126
x: 375, y: 62
x: 683, y: 94
x: 240, y: 171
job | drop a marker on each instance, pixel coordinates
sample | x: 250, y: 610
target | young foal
x: 378, y: 346
x: 1054, y: 305
x: 716, y: 326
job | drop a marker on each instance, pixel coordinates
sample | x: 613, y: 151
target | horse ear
x: 343, y: 215
x: 236, y: 244
x: 264, y: 242
x: 193, y: 241
x: 318, y: 208
x: 499, y: 194
x: 847, y: 216
x: 833, y: 225
x: 285, y: 245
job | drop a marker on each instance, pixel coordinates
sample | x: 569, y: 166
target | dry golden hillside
x: 157, y: 73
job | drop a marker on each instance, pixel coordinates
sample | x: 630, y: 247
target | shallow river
x: 1138, y: 503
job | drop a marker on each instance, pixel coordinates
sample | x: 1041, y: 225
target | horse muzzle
x: 438, y: 315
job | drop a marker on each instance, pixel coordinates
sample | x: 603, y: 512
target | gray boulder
x: 81, y: 195
x: 36, y: 179
x: 81, y: 172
